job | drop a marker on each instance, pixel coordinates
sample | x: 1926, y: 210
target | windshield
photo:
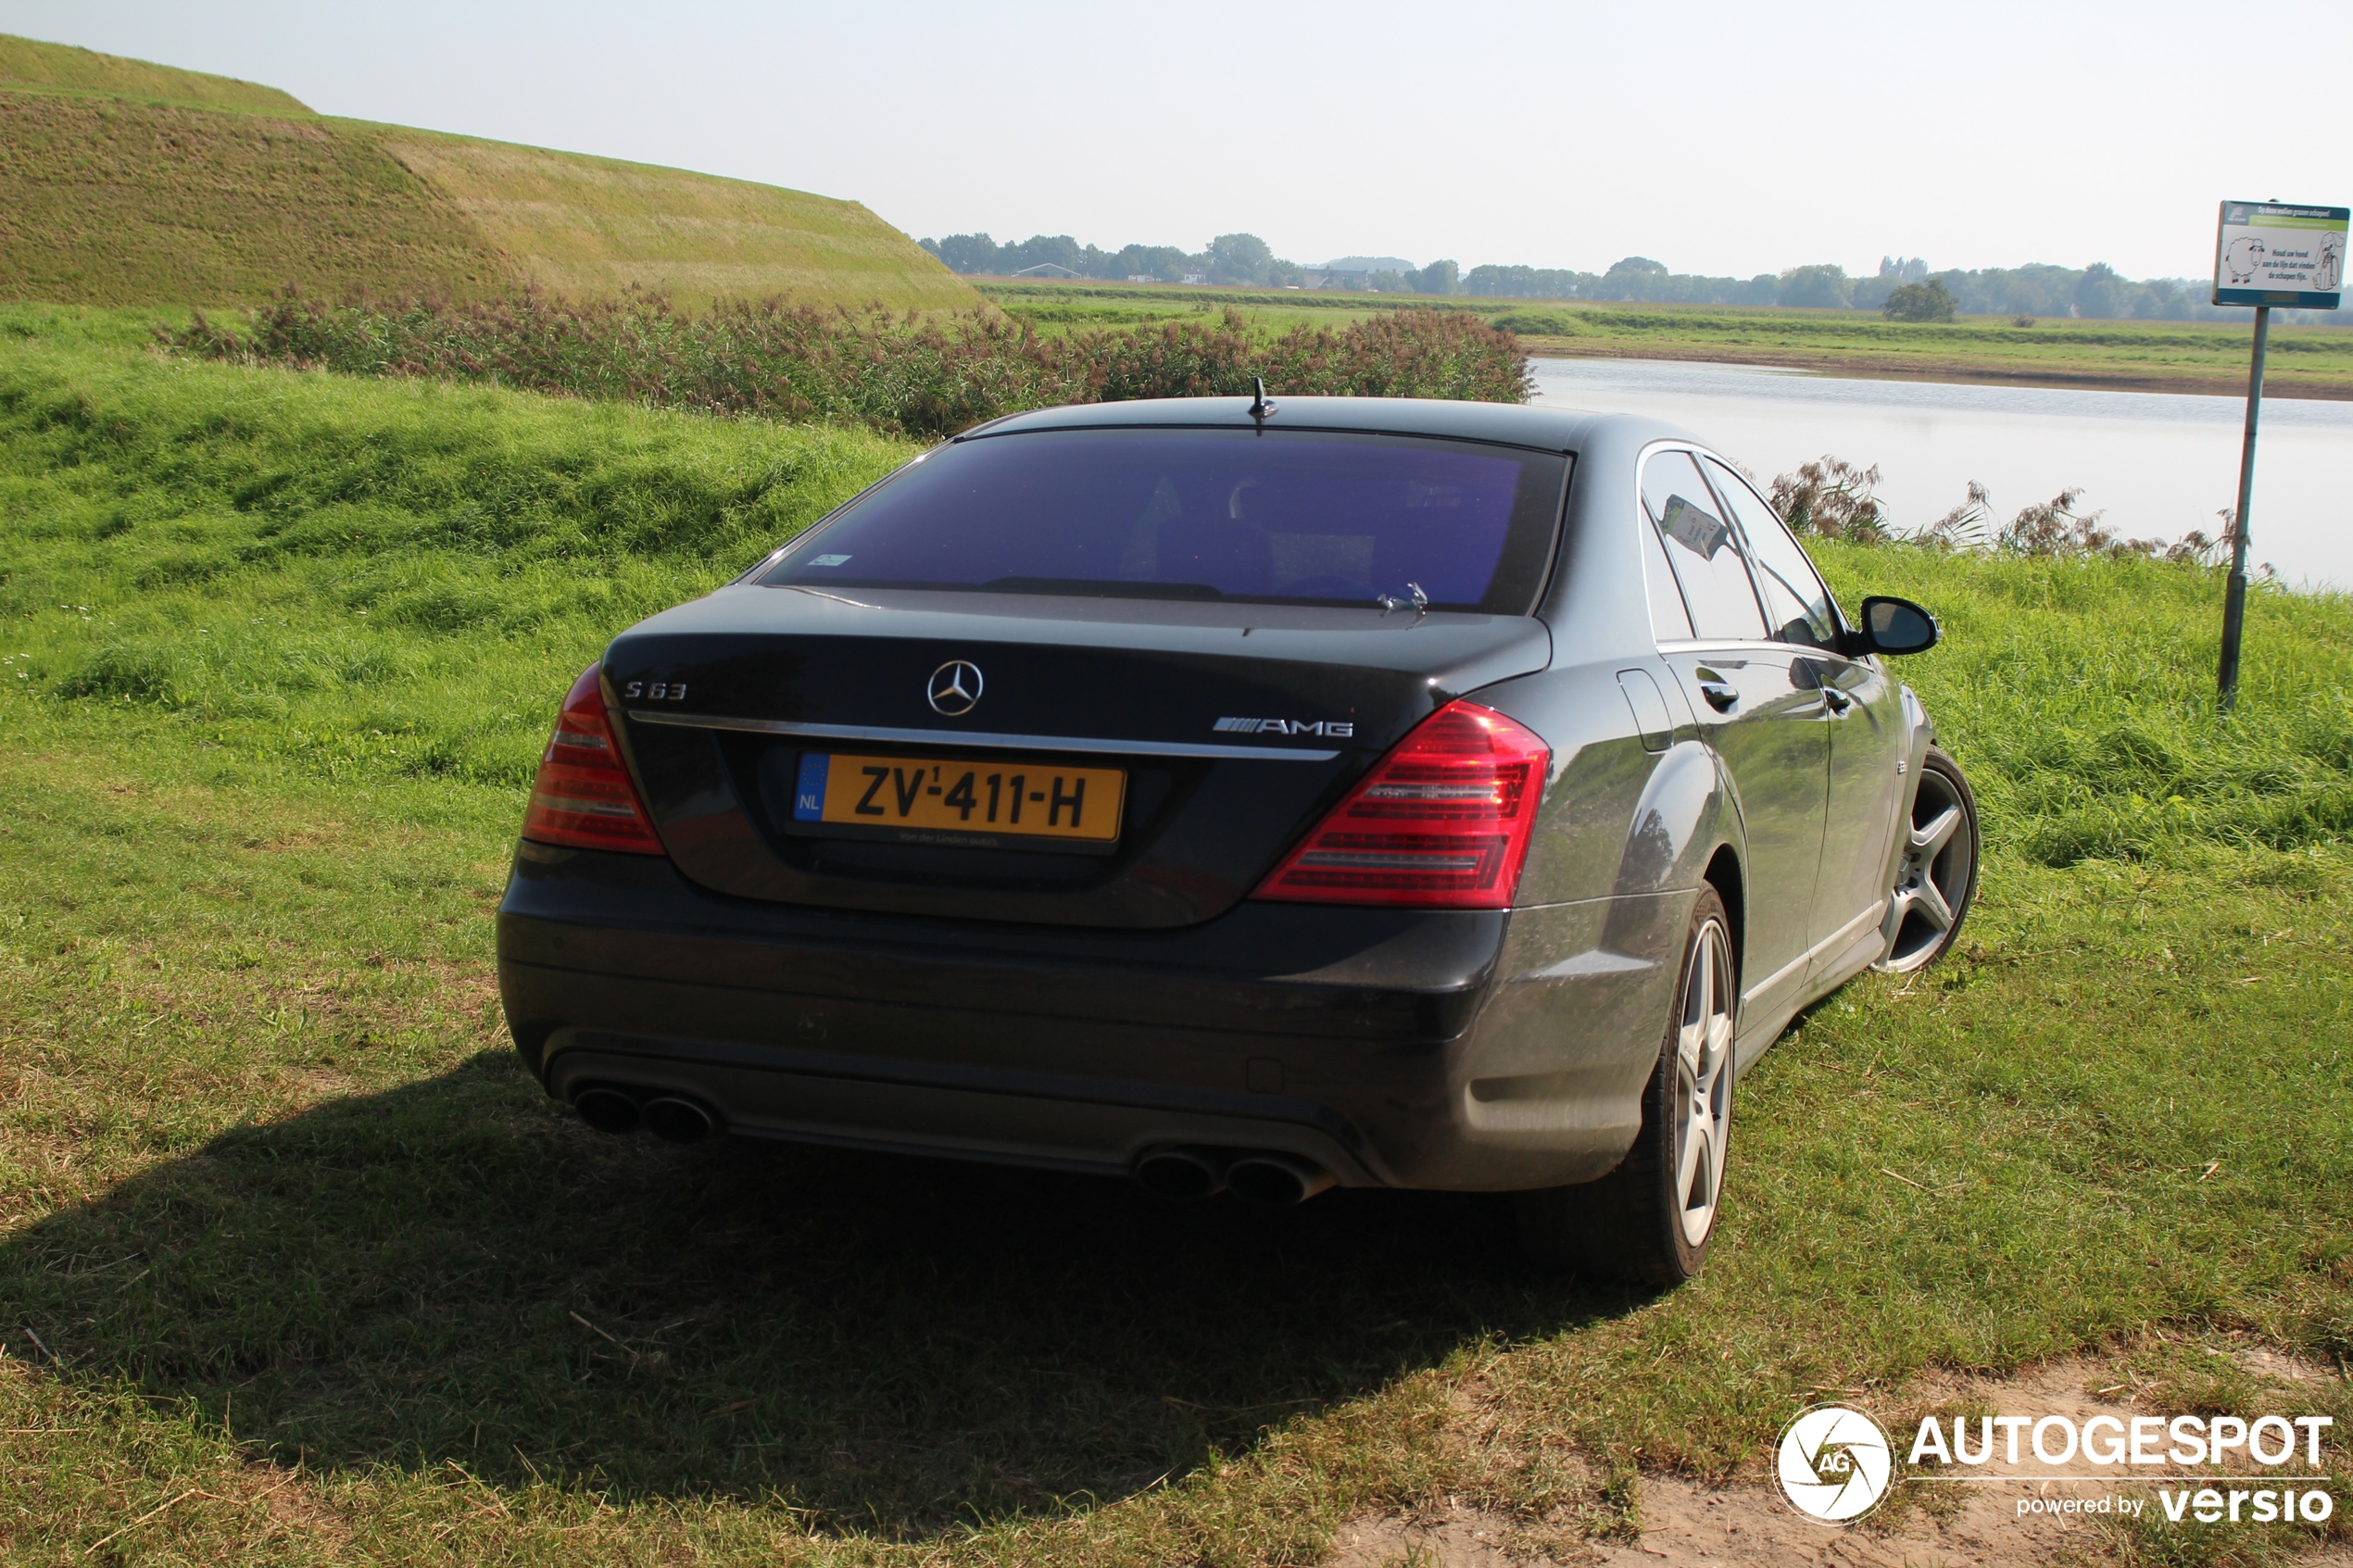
x: 1204, y: 514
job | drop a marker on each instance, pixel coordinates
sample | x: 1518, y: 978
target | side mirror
x: 1891, y: 626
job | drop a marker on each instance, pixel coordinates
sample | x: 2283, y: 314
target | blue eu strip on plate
x: 809, y: 793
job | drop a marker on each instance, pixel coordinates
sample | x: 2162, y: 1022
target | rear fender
x: 1685, y: 811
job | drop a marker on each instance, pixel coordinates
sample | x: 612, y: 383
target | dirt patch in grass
x: 1928, y: 1521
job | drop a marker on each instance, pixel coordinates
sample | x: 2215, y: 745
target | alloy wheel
x: 1936, y: 877
x: 1703, y: 1082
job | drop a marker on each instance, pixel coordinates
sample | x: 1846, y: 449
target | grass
x: 114, y: 200
x: 2143, y: 356
x: 124, y: 183
x: 580, y: 225
x: 296, y: 1265
x: 61, y: 67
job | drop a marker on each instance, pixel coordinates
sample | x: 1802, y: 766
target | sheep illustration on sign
x: 2275, y: 253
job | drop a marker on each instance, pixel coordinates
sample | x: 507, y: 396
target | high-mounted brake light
x: 1441, y: 823
x: 583, y: 798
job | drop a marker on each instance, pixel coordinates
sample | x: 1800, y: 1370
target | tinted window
x: 1706, y: 555
x: 1671, y: 622
x: 1203, y: 514
x: 1796, y: 602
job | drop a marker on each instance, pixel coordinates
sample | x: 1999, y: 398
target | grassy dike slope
x: 27, y: 63
x: 297, y: 1266
x: 123, y: 184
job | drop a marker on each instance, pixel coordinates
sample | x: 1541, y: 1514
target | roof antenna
x: 1261, y: 405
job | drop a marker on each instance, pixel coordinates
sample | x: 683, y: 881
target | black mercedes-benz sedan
x: 1246, y: 796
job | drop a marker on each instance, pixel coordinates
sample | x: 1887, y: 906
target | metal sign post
x: 2234, y: 591
x: 2267, y: 254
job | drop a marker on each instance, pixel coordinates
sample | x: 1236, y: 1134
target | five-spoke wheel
x: 1704, y: 1081
x: 1936, y: 875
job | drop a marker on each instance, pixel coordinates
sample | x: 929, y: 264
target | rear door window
x: 1702, y: 549
x: 1296, y: 517
x: 1796, y: 604
x: 1671, y: 622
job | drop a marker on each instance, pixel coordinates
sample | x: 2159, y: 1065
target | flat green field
x: 2131, y: 356
x: 297, y: 1265
x: 125, y: 183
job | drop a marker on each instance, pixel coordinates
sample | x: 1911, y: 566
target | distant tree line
x: 1905, y: 287
x: 1230, y: 258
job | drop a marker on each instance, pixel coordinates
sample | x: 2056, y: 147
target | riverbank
x: 1958, y: 370
x: 2153, y: 465
x: 2212, y: 365
x: 2184, y: 357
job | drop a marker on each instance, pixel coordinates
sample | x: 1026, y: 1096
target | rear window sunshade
x: 1275, y: 517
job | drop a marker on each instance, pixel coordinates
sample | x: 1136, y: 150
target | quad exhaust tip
x: 1278, y: 1181
x: 611, y: 1108
x: 675, y: 1120
x: 1182, y: 1173
x: 606, y: 1109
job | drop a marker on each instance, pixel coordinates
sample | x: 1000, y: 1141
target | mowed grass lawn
x: 298, y: 1264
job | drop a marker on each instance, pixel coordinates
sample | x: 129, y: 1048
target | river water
x: 2159, y: 464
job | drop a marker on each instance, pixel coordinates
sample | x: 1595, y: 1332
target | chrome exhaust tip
x: 1180, y: 1174
x: 1276, y: 1180
x: 606, y: 1108
x: 675, y: 1120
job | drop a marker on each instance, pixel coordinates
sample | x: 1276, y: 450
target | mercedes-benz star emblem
x: 955, y: 687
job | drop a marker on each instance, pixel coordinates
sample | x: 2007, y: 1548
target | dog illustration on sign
x: 2242, y: 256
x: 2330, y: 270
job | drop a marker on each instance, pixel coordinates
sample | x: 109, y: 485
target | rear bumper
x: 1470, y: 1051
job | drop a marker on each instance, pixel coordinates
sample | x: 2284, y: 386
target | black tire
x: 1935, y: 881
x: 1642, y: 1222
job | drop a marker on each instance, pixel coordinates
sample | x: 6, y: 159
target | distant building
x: 1141, y: 278
x: 1196, y: 277
x: 1354, y: 271
x: 1047, y: 269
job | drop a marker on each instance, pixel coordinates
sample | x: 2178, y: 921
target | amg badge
x: 1330, y: 728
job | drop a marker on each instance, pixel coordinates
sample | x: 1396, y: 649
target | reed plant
x: 915, y: 374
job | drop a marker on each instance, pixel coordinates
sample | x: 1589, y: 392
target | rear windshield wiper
x: 1102, y: 587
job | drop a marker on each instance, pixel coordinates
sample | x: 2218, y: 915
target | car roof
x: 1548, y: 429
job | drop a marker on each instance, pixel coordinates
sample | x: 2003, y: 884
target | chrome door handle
x: 1837, y: 702
x: 1722, y: 695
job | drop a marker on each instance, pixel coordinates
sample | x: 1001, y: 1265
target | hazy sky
x: 1724, y: 138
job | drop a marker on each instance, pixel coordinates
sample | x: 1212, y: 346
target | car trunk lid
x: 1230, y: 728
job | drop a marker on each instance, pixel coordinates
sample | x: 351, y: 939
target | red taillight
x: 1440, y: 822
x: 583, y: 798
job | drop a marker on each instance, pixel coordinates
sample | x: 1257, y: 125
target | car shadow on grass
x: 457, y: 1270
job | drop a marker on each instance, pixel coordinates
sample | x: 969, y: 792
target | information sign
x: 2272, y: 253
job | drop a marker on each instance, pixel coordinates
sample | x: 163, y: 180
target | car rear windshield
x: 1287, y: 516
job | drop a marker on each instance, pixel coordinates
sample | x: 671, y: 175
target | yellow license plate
x: 925, y: 795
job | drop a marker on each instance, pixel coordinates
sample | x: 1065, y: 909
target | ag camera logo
x: 1834, y: 1464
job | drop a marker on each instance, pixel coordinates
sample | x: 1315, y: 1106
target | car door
x: 1862, y: 717
x: 1759, y: 704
